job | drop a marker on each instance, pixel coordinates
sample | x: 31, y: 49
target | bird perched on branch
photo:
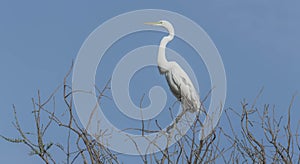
x: 179, y: 82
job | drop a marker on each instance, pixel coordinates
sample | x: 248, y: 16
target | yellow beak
x: 152, y: 23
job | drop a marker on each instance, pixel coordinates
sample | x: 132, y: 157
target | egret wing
x: 189, y: 95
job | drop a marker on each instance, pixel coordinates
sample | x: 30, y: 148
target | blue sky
x: 258, y: 42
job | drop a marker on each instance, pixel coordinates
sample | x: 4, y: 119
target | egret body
x: 179, y: 82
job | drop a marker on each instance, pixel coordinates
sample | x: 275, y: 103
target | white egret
x: 179, y: 82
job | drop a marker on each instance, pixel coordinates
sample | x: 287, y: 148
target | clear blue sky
x: 258, y: 41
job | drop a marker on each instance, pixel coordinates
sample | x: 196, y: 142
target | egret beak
x: 153, y: 23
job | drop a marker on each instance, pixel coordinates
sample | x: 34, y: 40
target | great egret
x: 179, y: 82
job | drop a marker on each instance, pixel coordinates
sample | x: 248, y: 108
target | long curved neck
x: 162, y: 61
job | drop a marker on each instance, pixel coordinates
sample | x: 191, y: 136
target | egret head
x: 167, y: 25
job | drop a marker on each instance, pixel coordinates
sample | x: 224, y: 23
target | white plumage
x: 179, y: 82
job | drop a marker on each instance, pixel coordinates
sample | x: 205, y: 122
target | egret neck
x: 163, y: 64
